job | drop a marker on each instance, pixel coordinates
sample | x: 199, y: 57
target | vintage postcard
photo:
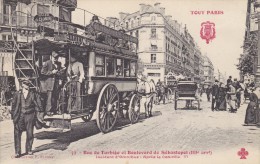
x: 129, y: 81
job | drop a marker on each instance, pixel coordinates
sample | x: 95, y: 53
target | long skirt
x: 222, y: 103
x: 251, y: 114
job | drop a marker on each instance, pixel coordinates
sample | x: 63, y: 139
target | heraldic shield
x: 207, y: 31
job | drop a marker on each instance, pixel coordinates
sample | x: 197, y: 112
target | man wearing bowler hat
x: 49, y: 84
x: 25, y: 105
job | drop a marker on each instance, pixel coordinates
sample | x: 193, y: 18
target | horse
x: 146, y: 89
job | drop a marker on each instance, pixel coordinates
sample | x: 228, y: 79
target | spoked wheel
x: 134, y: 109
x: 107, y: 108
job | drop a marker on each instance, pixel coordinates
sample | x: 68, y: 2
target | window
x: 110, y: 62
x: 126, y: 25
x: 100, y: 70
x: 65, y: 14
x: 154, y: 47
x: 139, y: 21
x: 119, y: 67
x: 133, y: 69
x: 153, y: 18
x: 153, y: 58
x: 137, y: 33
x: 4, y: 37
x: 43, y: 9
x: 9, y: 37
x: 153, y: 33
x: 132, y: 23
x: 126, y: 68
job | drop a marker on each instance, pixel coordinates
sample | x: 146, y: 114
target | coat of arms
x: 207, y: 31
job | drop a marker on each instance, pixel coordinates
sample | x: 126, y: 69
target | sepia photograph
x: 130, y: 81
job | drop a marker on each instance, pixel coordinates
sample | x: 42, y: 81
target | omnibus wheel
x: 107, y: 108
x: 134, y: 109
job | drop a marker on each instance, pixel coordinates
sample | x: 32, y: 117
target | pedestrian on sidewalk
x: 25, y: 107
x: 215, y: 91
x: 232, y: 98
x: 208, y: 91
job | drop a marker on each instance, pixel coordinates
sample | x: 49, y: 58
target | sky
x: 224, y: 50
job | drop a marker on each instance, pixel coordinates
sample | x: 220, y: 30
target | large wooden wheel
x: 134, y: 109
x: 107, y: 108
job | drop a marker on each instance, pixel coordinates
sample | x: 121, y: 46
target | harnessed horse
x: 147, y: 91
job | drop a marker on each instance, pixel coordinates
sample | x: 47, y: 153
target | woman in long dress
x: 222, y: 97
x: 250, y: 117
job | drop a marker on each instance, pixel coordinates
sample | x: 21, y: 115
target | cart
x: 110, y: 66
x: 186, y: 91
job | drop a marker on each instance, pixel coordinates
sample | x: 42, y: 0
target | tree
x: 246, y: 61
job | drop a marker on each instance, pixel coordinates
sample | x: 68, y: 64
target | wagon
x: 186, y: 91
x: 110, y: 66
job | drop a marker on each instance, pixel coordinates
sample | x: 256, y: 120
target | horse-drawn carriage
x: 109, y: 60
x: 186, y: 91
x: 171, y: 83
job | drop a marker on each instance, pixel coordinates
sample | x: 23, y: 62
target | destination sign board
x: 43, y: 18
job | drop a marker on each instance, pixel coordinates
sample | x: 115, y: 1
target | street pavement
x: 182, y: 136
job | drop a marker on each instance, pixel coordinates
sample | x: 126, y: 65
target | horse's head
x: 141, y: 87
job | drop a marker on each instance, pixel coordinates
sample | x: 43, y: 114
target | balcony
x: 17, y: 20
x: 154, y: 49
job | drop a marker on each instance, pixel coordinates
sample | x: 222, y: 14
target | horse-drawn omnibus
x: 109, y: 60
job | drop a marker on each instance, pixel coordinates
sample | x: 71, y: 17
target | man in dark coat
x: 25, y: 105
x: 229, y: 80
x: 208, y: 91
x: 215, y: 89
x: 50, y: 82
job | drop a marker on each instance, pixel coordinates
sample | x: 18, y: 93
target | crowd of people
x: 232, y: 93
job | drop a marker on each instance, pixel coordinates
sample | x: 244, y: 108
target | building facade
x: 208, y: 71
x: 21, y: 21
x: 164, y: 45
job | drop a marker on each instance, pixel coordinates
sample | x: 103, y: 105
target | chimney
x: 157, y: 7
x: 122, y: 15
x: 162, y: 10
